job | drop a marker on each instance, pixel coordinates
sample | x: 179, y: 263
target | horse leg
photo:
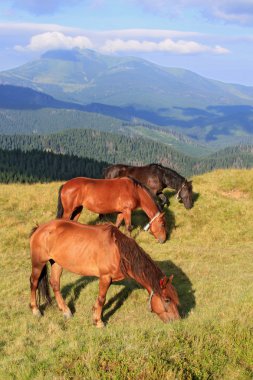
x: 34, y: 280
x: 163, y: 199
x: 104, y: 283
x: 127, y: 218
x: 56, y: 272
x: 119, y: 219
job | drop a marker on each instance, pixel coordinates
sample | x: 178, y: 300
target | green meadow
x: 210, y: 252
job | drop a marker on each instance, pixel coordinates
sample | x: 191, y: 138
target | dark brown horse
x: 102, y: 251
x: 104, y: 196
x: 156, y: 178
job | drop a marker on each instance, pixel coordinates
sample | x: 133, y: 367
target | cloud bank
x: 135, y: 40
x: 167, y: 45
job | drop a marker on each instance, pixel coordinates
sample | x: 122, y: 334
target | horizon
x: 211, y: 39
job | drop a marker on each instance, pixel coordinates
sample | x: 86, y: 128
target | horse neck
x: 147, y: 203
x: 150, y: 282
x: 173, y: 179
x: 136, y: 263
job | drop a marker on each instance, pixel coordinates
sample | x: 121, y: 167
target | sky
x: 213, y: 38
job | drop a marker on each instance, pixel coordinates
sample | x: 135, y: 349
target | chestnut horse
x: 104, y: 196
x: 102, y: 251
x: 156, y: 177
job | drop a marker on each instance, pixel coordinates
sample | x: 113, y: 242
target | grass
x: 209, y: 250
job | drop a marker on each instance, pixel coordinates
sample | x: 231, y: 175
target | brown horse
x: 102, y: 251
x: 156, y: 177
x: 106, y: 196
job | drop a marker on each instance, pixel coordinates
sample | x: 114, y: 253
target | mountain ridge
x: 85, y: 76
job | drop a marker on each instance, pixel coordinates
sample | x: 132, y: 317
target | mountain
x: 85, y: 77
x: 133, y: 92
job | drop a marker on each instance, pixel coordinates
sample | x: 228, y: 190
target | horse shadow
x: 74, y: 290
x: 181, y: 282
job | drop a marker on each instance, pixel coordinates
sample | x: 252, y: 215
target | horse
x: 156, y: 177
x: 104, y: 196
x: 102, y: 251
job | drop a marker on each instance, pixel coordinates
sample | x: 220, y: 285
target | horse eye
x: 167, y: 300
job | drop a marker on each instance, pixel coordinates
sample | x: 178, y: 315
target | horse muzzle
x: 161, y: 240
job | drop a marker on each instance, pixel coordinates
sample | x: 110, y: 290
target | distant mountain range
x: 133, y: 92
x: 85, y: 77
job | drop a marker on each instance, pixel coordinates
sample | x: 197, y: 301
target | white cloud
x: 167, y: 45
x: 55, y: 40
x: 42, y: 37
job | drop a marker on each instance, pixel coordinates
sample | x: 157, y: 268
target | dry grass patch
x: 210, y: 253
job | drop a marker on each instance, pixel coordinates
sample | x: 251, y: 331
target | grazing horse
x: 156, y: 177
x: 105, y: 196
x: 102, y: 251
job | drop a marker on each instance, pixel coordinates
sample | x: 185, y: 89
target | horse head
x: 157, y: 227
x: 184, y: 194
x: 165, y: 304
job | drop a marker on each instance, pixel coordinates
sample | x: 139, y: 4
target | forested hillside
x: 74, y: 153
x: 38, y: 166
x: 101, y: 146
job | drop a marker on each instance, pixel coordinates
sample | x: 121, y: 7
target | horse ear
x: 171, y: 278
x: 163, y: 282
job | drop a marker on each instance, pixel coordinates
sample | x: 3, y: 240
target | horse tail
x: 60, y: 209
x: 43, y: 286
x: 113, y: 171
x: 33, y: 230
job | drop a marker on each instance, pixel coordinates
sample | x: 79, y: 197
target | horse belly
x: 108, y: 200
x: 77, y: 258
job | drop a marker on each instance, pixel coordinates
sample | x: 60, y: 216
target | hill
x: 209, y: 251
x: 87, y: 152
x: 23, y: 110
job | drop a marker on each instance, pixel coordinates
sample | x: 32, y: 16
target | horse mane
x: 135, y: 260
x: 144, y: 187
x: 33, y: 230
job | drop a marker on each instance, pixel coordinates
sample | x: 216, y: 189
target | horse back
x: 150, y: 175
x: 100, y: 195
x: 82, y: 249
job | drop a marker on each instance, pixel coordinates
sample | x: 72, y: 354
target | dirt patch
x: 235, y: 194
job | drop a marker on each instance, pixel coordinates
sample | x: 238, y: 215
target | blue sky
x: 213, y: 38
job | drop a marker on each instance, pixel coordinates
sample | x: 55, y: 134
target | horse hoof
x: 37, y: 313
x: 67, y: 314
x: 100, y: 324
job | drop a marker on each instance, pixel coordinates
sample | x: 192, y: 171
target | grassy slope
x: 210, y: 253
